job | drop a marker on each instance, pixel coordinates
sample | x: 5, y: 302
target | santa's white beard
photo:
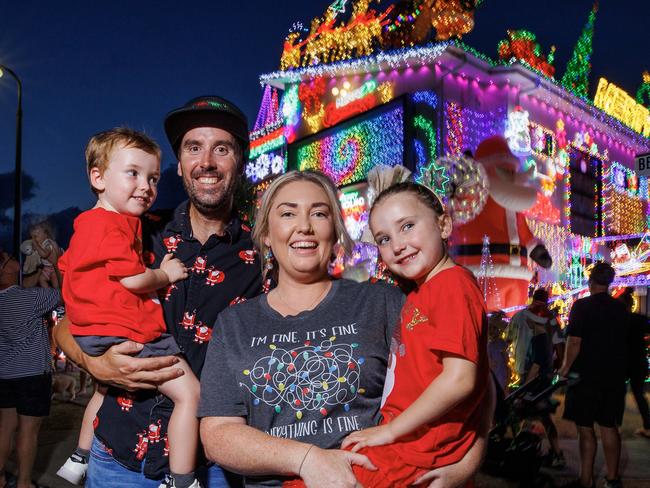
x: 512, y: 196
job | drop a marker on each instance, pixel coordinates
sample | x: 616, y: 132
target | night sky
x: 88, y: 66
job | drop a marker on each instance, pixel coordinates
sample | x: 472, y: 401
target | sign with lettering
x: 620, y: 105
x: 642, y: 164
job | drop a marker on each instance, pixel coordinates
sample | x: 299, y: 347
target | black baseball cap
x: 207, y: 111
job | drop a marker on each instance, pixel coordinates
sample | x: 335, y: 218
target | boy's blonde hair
x: 101, y: 145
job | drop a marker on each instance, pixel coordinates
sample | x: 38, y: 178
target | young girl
x: 48, y: 251
x: 108, y: 291
x: 431, y: 411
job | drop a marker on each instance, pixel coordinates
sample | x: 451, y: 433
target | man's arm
x: 532, y: 374
x: 117, y: 366
x: 232, y: 444
x: 573, y: 345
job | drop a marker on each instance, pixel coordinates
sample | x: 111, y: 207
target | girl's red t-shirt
x: 447, y: 314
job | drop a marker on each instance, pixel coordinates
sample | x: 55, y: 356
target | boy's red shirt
x: 447, y: 314
x: 106, y: 247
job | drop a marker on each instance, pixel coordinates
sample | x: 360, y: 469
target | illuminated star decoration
x: 436, y: 179
x: 338, y: 6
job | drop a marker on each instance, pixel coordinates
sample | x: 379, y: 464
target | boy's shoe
x: 613, y: 483
x: 74, y: 469
x: 558, y: 461
x: 168, y: 482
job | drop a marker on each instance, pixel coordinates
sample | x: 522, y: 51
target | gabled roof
x: 459, y: 59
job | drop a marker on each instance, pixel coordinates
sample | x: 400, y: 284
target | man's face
x: 208, y: 162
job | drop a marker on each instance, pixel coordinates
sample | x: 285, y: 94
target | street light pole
x: 18, y: 169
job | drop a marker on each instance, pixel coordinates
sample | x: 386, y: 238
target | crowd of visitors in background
x: 602, y: 346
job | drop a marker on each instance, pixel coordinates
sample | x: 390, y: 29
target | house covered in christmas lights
x: 388, y: 93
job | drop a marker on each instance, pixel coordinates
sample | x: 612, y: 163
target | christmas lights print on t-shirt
x: 310, y: 377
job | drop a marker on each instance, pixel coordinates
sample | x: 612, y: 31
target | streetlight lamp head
x: 1, y: 72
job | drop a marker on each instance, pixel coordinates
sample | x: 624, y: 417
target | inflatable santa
x: 511, y: 242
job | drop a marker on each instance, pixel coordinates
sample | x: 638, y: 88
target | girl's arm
x: 458, y: 474
x: 456, y: 382
x: 43, y: 251
x: 232, y: 444
x: 171, y: 270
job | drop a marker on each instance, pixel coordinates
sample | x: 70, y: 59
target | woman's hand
x: 374, y: 436
x: 332, y: 468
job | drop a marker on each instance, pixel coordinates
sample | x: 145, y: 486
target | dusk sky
x: 88, y: 66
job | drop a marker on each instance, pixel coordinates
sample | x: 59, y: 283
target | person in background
x: 25, y: 367
x: 539, y: 368
x: 44, y: 245
x: 498, y: 350
x: 637, y: 360
x: 520, y: 331
x: 596, y: 350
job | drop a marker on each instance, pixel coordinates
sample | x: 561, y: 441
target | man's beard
x: 217, y: 202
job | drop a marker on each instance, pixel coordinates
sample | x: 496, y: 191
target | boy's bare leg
x: 8, y: 424
x: 26, y: 442
x: 183, y: 428
x: 87, y: 431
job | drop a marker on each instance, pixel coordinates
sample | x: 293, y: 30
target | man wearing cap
x: 596, y: 351
x: 209, y: 135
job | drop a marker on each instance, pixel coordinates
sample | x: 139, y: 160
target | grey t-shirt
x: 314, y: 377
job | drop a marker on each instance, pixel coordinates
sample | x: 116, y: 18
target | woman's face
x: 301, y: 231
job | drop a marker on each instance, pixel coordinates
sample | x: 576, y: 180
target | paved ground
x: 59, y: 435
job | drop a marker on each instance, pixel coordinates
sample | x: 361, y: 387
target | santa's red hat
x: 495, y: 149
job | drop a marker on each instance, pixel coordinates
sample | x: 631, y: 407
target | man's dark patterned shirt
x: 223, y: 271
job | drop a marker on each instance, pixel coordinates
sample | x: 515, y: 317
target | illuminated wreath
x: 460, y: 182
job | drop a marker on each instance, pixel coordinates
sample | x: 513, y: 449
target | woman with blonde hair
x: 289, y: 374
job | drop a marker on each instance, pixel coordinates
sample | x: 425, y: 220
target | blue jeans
x: 104, y: 471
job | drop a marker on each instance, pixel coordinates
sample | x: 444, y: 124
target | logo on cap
x: 210, y: 103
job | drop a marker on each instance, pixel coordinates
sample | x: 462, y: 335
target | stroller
x: 514, y: 448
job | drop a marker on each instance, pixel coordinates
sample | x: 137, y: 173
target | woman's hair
x: 261, y: 228
x: 421, y: 192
